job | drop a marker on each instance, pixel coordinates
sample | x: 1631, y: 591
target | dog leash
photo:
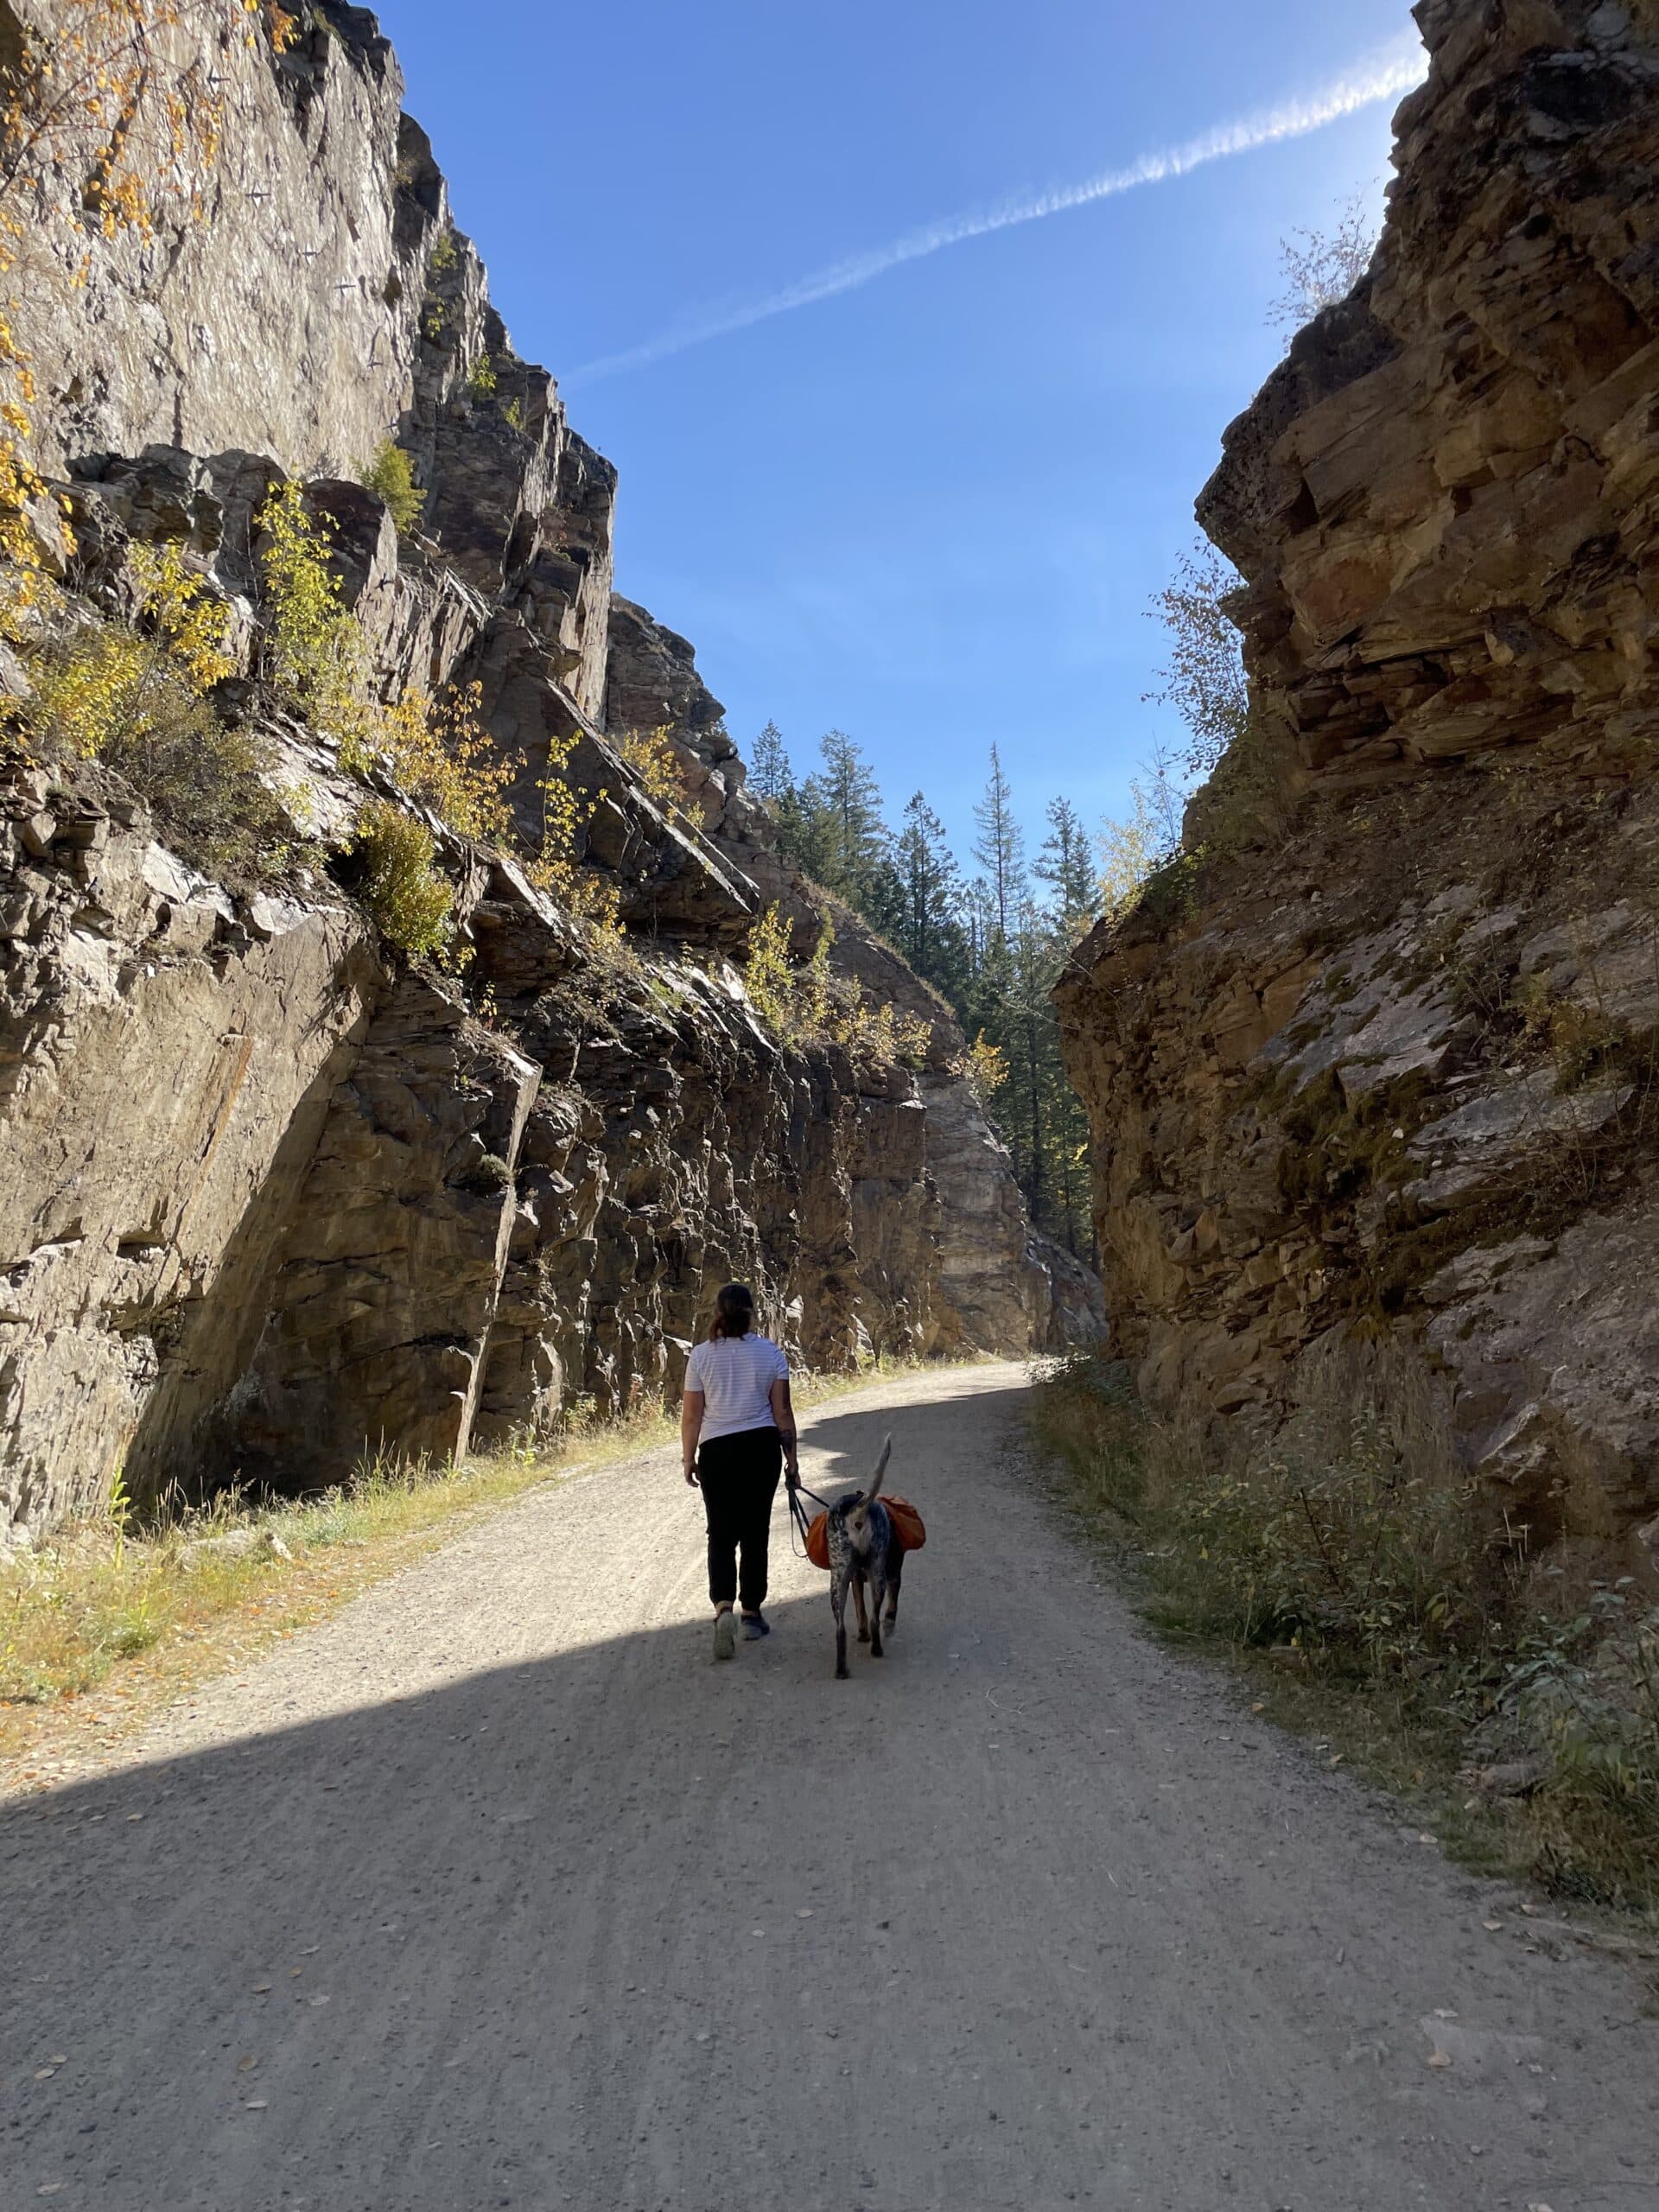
x: 798, y: 1521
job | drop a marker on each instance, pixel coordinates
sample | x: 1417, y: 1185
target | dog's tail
x: 873, y: 1485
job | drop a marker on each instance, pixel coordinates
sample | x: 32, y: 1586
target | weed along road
x: 494, y: 1891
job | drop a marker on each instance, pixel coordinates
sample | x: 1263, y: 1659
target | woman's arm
x: 783, y: 1413
x: 690, y: 1430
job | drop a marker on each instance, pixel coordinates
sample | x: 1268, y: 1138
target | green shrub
x: 1169, y: 893
x: 488, y: 1173
x: 480, y: 378
x: 137, y: 698
x: 1341, y: 1536
x: 392, y: 473
x: 445, y: 256
x: 316, y: 657
x: 1351, y: 1531
x: 1586, y: 1693
x: 205, y: 784
x: 314, y: 648
x: 1351, y: 1544
x: 407, y: 896
x: 809, y: 1004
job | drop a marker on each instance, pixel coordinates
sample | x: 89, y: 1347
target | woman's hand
x: 690, y: 1430
x: 783, y: 1412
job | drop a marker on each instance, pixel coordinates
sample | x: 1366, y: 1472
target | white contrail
x: 1397, y: 70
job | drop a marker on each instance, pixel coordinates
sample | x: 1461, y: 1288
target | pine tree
x: 929, y: 927
x: 991, y: 946
x: 1000, y: 848
x: 979, y: 925
x: 1067, y: 866
x: 849, y: 794
x: 844, y: 824
x: 1031, y: 1029
x: 770, y: 774
x: 805, y: 829
x: 799, y: 809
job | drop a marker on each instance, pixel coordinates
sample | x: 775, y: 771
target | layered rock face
x: 1392, y: 1071
x: 272, y: 1197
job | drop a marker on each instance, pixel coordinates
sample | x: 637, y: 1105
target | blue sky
x: 931, y: 509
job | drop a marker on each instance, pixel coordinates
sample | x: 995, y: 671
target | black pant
x: 738, y: 1475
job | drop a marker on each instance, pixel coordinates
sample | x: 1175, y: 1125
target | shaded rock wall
x: 270, y: 1196
x: 1393, y: 1073
x: 167, y: 1060
x: 381, y: 1310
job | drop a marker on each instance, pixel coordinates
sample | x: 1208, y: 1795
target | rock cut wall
x: 1390, y: 1071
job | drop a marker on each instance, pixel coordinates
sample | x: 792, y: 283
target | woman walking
x: 736, y: 1426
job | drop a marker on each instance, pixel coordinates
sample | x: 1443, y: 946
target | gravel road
x: 494, y: 1891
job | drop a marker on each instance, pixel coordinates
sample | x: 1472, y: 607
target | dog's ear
x: 874, y: 1483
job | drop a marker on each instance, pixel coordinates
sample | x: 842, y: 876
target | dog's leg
x: 895, y: 1577
x: 858, y: 1605
x: 878, y: 1592
x: 838, y: 1607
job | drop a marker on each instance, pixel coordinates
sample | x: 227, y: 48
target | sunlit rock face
x: 1441, y: 502
x: 1388, y: 1072
x: 270, y: 1198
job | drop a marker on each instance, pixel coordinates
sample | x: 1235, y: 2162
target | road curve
x: 493, y: 1892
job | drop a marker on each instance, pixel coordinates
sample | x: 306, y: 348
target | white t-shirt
x: 735, y: 1376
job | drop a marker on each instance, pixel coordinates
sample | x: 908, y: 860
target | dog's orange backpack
x: 907, y: 1525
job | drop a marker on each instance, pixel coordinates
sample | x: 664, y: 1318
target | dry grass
x: 1343, y: 1565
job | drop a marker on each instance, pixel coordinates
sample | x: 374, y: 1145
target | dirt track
x: 492, y: 1891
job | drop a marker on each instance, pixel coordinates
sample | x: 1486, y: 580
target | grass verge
x: 1346, y: 1568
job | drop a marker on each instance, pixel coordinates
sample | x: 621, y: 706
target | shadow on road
x: 343, y: 1948
x: 334, y: 1950
x: 614, y: 1928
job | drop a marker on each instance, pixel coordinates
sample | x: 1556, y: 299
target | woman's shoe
x: 754, y: 1628
x: 725, y: 1636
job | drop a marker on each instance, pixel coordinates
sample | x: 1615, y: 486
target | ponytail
x: 734, y: 1313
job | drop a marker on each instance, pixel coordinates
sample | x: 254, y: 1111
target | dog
x: 864, y: 1553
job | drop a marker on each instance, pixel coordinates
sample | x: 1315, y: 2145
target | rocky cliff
x: 272, y: 1193
x: 1377, y: 1057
